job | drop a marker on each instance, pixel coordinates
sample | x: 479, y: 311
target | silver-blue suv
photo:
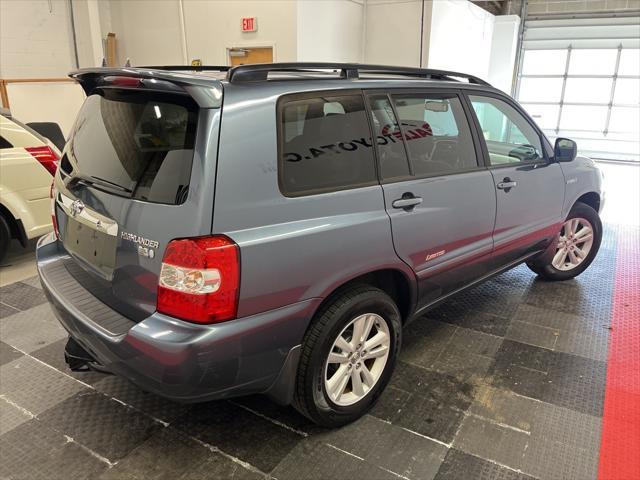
x: 271, y: 228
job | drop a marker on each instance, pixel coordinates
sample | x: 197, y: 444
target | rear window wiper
x: 100, y: 182
x: 103, y: 182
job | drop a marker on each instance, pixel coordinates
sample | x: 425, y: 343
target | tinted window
x: 391, y: 152
x: 4, y: 143
x: 509, y: 136
x: 139, y: 142
x: 325, y: 145
x: 437, y: 133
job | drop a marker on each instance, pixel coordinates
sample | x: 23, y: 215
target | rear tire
x: 577, y: 245
x: 328, y: 390
x: 5, y: 237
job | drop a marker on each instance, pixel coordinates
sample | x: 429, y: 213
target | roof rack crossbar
x: 260, y: 72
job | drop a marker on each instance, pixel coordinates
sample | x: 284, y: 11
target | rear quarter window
x: 325, y: 145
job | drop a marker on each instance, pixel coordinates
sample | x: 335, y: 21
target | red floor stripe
x: 620, y: 445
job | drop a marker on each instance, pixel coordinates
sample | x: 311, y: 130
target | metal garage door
x: 580, y: 78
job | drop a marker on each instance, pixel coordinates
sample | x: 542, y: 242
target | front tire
x: 348, y: 355
x: 576, y: 247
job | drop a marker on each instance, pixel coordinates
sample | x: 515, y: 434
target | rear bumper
x: 184, y: 361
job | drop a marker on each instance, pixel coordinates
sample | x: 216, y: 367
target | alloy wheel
x: 574, y: 244
x: 357, y: 359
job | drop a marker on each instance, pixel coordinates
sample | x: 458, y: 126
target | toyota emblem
x: 76, y: 207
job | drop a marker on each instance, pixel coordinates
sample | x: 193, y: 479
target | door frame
x: 249, y: 44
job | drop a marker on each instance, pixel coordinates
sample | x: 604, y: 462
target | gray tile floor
x: 504, y: 381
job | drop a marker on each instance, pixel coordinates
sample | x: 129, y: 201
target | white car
x: 28, y: 162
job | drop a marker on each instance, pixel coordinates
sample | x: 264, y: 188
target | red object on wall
x: 249, y: 24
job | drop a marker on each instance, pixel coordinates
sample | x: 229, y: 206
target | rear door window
x: 325, y: 145
x: 141, y: 144
x: 437, y: 134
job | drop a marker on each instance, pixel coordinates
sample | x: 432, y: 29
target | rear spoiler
x: 206, y: 91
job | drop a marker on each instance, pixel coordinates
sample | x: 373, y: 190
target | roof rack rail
x: 191, y: 68
x: 260, y: 72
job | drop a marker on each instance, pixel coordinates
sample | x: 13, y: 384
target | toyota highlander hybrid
x: 272, y: 228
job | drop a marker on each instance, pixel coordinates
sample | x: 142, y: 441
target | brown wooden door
x: 251, y: 55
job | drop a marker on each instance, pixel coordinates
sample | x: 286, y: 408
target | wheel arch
x: 590, y: 198
x: 394, y: 282
x: 15, y: 225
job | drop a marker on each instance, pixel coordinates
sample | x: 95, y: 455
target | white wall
x: 35, y: 41
x: 393, y: 32
x: 460, y: 37
x: 147, y: 31
x: 504, y: 45
x: 329, y: 30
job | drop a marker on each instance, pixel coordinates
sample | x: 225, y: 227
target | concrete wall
x: 330, y: 30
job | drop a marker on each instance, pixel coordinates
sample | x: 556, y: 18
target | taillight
x: 200, y: 279
x: 121, y: 81
x: 47, y: 157
x: 52, y: 195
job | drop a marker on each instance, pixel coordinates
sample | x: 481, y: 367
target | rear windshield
x: 139, y: 143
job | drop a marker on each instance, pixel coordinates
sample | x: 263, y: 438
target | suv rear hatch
x: 138, y: 171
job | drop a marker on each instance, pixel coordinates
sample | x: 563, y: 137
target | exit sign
x: 249, y: 24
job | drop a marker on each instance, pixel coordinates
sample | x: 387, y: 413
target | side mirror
x: 565, y: 150
x: 51, y: 131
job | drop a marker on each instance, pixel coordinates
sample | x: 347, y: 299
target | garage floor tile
x: 22, y: 296
x: 312, y: 460
x: 102, y: 424
x: 35, y: 387
x: 492, y: 441
x: 33, y: 451
x: 8, y: 353
x: 6, y: 310
x: 11, y: 416
x: 148, y: 403
x: 170, y: 455
x: 377, y: 443
x: 32, y: 329
x: 253, y: 440
x: 462, y: 466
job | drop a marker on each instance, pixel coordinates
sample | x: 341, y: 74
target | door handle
x: 506, y: 184
x: 407, y: 202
